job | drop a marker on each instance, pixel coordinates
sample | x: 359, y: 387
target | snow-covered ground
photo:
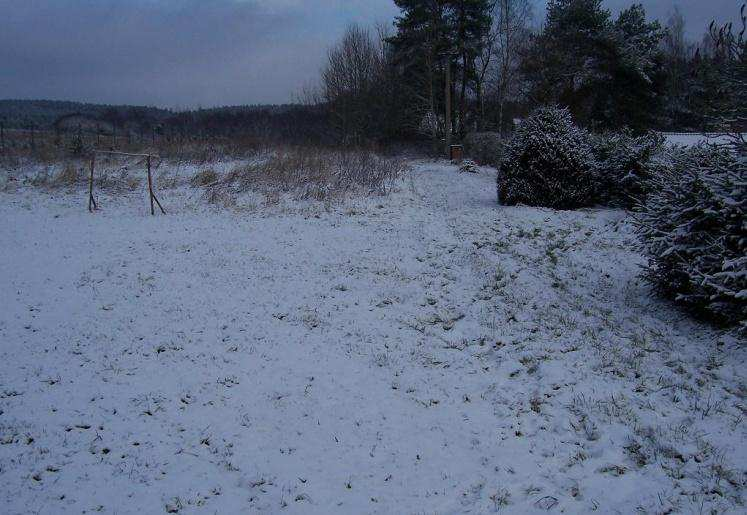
x: 695, y: 138
x: 424, y: 352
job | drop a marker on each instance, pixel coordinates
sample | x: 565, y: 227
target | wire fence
x: 48, y: 145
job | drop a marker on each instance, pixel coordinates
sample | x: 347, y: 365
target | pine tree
x: 633, y: 97
x: 418, y: 47
x: 430, y: 32
x: 604, y: 71
x: 563, y: 63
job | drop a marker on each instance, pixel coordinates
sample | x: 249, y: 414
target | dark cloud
x: 158, y: 52
x: 200, y: 52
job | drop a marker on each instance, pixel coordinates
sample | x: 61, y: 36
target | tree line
x: 485, y: 61
x: 451, y: 67
x: 292, y: 123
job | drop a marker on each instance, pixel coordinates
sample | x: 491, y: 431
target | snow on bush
x: 625, y: 164
x: 468, y: 166
x: 694, y: 231
x: 548, y: 162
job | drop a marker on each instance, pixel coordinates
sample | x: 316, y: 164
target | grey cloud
x: 202, y: 52
x: 161, y: 52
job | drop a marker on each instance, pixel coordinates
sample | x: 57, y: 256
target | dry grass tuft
x: 318, y: 174
x: 68, y: 176
x: 117, y: 180
x: 204, y: 178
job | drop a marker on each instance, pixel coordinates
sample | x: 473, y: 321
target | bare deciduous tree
x: 510, y: 34
x: 678, y: 53
x: 349, y: 79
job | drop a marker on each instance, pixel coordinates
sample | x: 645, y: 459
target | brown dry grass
x: 314, y: 173
x: 69, y: 176
x: 204, y: 178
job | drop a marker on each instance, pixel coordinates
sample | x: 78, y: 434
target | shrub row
x: 550, y: 162
x: 694, y: 230
x: 689, y: 203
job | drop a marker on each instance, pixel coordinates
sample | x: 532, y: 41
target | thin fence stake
x: 91, y: 201
x: 159, y: 204
x: 150, y: 190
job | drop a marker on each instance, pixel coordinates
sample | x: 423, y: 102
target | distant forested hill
x: 289, y: 123
x: 42, y: 114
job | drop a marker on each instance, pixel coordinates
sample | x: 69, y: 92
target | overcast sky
x: 189, y: 53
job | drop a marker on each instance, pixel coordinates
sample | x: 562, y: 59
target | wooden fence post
x: 149, y: 165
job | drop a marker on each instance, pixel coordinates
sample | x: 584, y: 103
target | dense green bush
x: 548, y: 162
x: 625, y: 165
x: 694, y: 231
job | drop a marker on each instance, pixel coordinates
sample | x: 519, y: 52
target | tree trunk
x: 481, y: 104
x: 501, y: 103
x: 463, y: 97
x: 448, y: 129
x: 432, y: 100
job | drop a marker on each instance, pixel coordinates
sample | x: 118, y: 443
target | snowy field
x: 424, y: 352
x: 691, y: 139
